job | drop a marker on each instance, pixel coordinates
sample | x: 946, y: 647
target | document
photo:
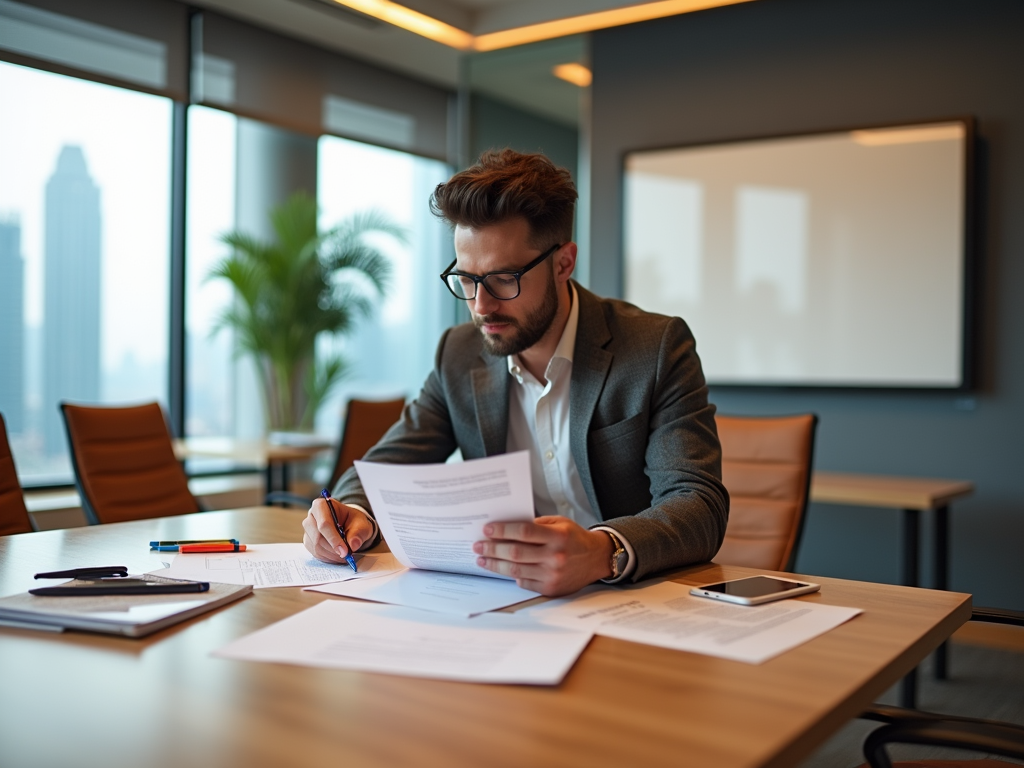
x: 430, y: 514
x: 274, y: 565
x: 456, y: 593
x: 495, y: 648
x: 666, y: 614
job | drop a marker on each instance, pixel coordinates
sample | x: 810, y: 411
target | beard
x: 526, y: 333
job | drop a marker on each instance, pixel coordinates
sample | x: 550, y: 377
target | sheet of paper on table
x: 430, y: 514
x: 666, y: 614
x: 274, y: 565
x: 495, y: 648
x: 456, y: 593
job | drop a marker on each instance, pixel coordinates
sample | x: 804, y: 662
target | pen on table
x: 172, y: 546
x: 185, y: 549
x: 341, y: 532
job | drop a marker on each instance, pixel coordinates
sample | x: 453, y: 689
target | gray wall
x: 789, y: 66
x: 497, y: 124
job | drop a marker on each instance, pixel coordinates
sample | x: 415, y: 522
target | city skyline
x: 72, y: 292
x: 12, y: 326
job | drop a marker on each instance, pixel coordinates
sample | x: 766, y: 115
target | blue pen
x: 341, y: 531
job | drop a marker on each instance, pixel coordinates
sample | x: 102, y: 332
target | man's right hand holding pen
x: 321, y: 537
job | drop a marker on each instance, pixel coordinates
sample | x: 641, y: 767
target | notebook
x: 128, y: 615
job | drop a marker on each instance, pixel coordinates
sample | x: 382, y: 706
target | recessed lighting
x: 573, y: 73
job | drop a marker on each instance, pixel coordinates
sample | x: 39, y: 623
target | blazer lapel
x: 490, y: 394
x: 590, y: 365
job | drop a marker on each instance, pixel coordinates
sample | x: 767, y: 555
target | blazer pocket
x: 621, y: 430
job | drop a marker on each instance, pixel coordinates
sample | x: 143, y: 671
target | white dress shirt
x: 538, y: 422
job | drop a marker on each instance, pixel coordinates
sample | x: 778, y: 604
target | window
x: 84, y: 252
x: 392, y: 352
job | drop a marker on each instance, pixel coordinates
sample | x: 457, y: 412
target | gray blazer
x: 642, y: 431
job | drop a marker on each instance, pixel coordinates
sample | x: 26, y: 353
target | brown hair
x: 507, y: 185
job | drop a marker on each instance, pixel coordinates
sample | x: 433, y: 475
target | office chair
x: 13, y: 514
x: 909, y: 726
x: 766, y: 467
x: 366, y: 421
x: 124, y: 463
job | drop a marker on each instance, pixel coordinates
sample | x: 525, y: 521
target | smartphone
x: 755, y: 590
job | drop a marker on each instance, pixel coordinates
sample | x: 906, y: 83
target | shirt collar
x: 566, y: 344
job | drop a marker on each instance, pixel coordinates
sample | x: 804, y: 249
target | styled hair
x: 505, y: 185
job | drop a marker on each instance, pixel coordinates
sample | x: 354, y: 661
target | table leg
x: 908, y: 690
x: 940, y: 574
x: 268, y: 478
x: 285, y: 480
x: 911, y: 543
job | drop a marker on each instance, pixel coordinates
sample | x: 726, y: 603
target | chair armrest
x: 980, y: 735
x: 998, y: 616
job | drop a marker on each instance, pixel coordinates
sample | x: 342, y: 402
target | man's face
x: 512, y: 326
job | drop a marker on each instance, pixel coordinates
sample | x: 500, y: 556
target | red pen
x: 195, y: 548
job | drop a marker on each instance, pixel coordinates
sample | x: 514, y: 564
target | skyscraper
x: 12, y: 327
x: 71, y: 336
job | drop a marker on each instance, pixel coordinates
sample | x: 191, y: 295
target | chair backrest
x: 124, y: 463
x: 365, y: 423
x: 766, y: 467
x: 13, y: 514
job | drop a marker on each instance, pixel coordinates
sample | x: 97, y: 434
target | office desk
x: 262, y: 453
x: 88, y: 700
x: 911, y: 495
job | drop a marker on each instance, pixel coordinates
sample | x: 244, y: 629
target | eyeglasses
x: 501, y: 285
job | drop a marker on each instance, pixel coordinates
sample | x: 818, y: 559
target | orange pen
x: 196, y: 548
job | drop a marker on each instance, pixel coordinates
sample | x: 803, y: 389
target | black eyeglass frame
x: 477, y: 279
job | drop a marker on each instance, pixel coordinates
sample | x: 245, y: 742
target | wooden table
x: 90, y: 700
x: 913, y: 496
x: 263, y: 453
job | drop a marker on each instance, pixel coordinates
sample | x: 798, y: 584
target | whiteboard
x: 833, y: 259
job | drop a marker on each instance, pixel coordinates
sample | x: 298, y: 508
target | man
x: 609, y: 400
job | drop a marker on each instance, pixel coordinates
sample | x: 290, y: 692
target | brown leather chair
x: 366, y: 421
x: 13, y: 514
x: 124, y: 463
x: 766, y: 467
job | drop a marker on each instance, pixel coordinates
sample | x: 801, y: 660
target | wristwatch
x: 620, y: 557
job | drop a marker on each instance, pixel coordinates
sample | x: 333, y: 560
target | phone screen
x: 756, y: 586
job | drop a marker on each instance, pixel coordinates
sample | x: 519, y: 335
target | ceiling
x: 333, y: 26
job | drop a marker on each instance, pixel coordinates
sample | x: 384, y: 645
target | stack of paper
x: 496, y: 648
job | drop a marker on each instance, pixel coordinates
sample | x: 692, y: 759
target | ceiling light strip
x: 590, y: 22
x: 413, y: 21
x: 438, y: 31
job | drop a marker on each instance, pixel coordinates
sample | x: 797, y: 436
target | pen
x: 85, y: 573
x: 160, y: 545
x: 341, y: 532
x: 194, y: 548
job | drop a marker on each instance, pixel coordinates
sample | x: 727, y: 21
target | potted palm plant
x: 289, y: 291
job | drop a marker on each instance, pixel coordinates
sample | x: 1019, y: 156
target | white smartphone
x: 755, y: 590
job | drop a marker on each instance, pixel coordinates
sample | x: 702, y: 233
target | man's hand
x: 551, y: 555
x: 321, y: 537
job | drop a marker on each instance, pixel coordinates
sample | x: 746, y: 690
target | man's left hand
x: 551, y: 555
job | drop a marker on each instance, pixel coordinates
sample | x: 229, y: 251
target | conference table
x: 261, y: 452
x: 92, y: 700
